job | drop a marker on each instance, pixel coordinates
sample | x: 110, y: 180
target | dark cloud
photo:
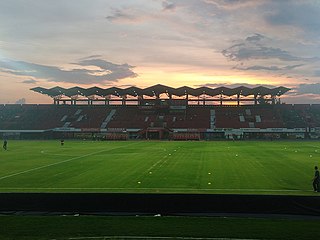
x: 237, y: 53
x: 168, y: 6
x: 30, y: 81
x: 257, y: 68
x: 292, y: 66
x: 261, y: 49
x: 254, y: 48
x: 107, y: 72
x: 122, y: 15
x: 92, y: 56
x: 108, y: 66
x: 269, y: 68
x: 255, y: 38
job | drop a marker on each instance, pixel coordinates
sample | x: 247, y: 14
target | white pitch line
x: 170, y: 189
x: 49, y: 165
x: 57, y: 163
x: 158, y: 162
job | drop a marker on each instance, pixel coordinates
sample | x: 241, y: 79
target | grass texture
x: 244, y: 167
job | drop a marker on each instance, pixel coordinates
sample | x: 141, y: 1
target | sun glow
x: 178, y: 78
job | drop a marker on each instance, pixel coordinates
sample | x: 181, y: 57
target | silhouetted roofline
x: 158, y: 89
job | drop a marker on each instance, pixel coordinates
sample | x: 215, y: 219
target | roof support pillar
x: 124, y: 97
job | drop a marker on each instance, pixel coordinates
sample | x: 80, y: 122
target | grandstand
x: 161, y: 112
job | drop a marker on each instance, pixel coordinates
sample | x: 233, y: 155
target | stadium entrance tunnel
x: 152, y: 204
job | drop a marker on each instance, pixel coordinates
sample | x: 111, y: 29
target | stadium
x: 161, y: 151
x: 161, y: 112
x: 159, y: 119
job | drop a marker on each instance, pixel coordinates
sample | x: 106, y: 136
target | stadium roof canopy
x: 158, y: 89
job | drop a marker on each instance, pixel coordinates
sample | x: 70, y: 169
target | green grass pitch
x: 241, y: 167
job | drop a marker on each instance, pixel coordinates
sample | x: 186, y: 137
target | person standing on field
x: 5, y: 144
x: 316, y: 180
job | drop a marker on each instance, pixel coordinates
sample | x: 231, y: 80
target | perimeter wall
x: 152, y: 204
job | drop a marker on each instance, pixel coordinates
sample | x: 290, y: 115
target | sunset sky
x: 141, y: 43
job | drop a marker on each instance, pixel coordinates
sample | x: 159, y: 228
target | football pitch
x: 210, y: 167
